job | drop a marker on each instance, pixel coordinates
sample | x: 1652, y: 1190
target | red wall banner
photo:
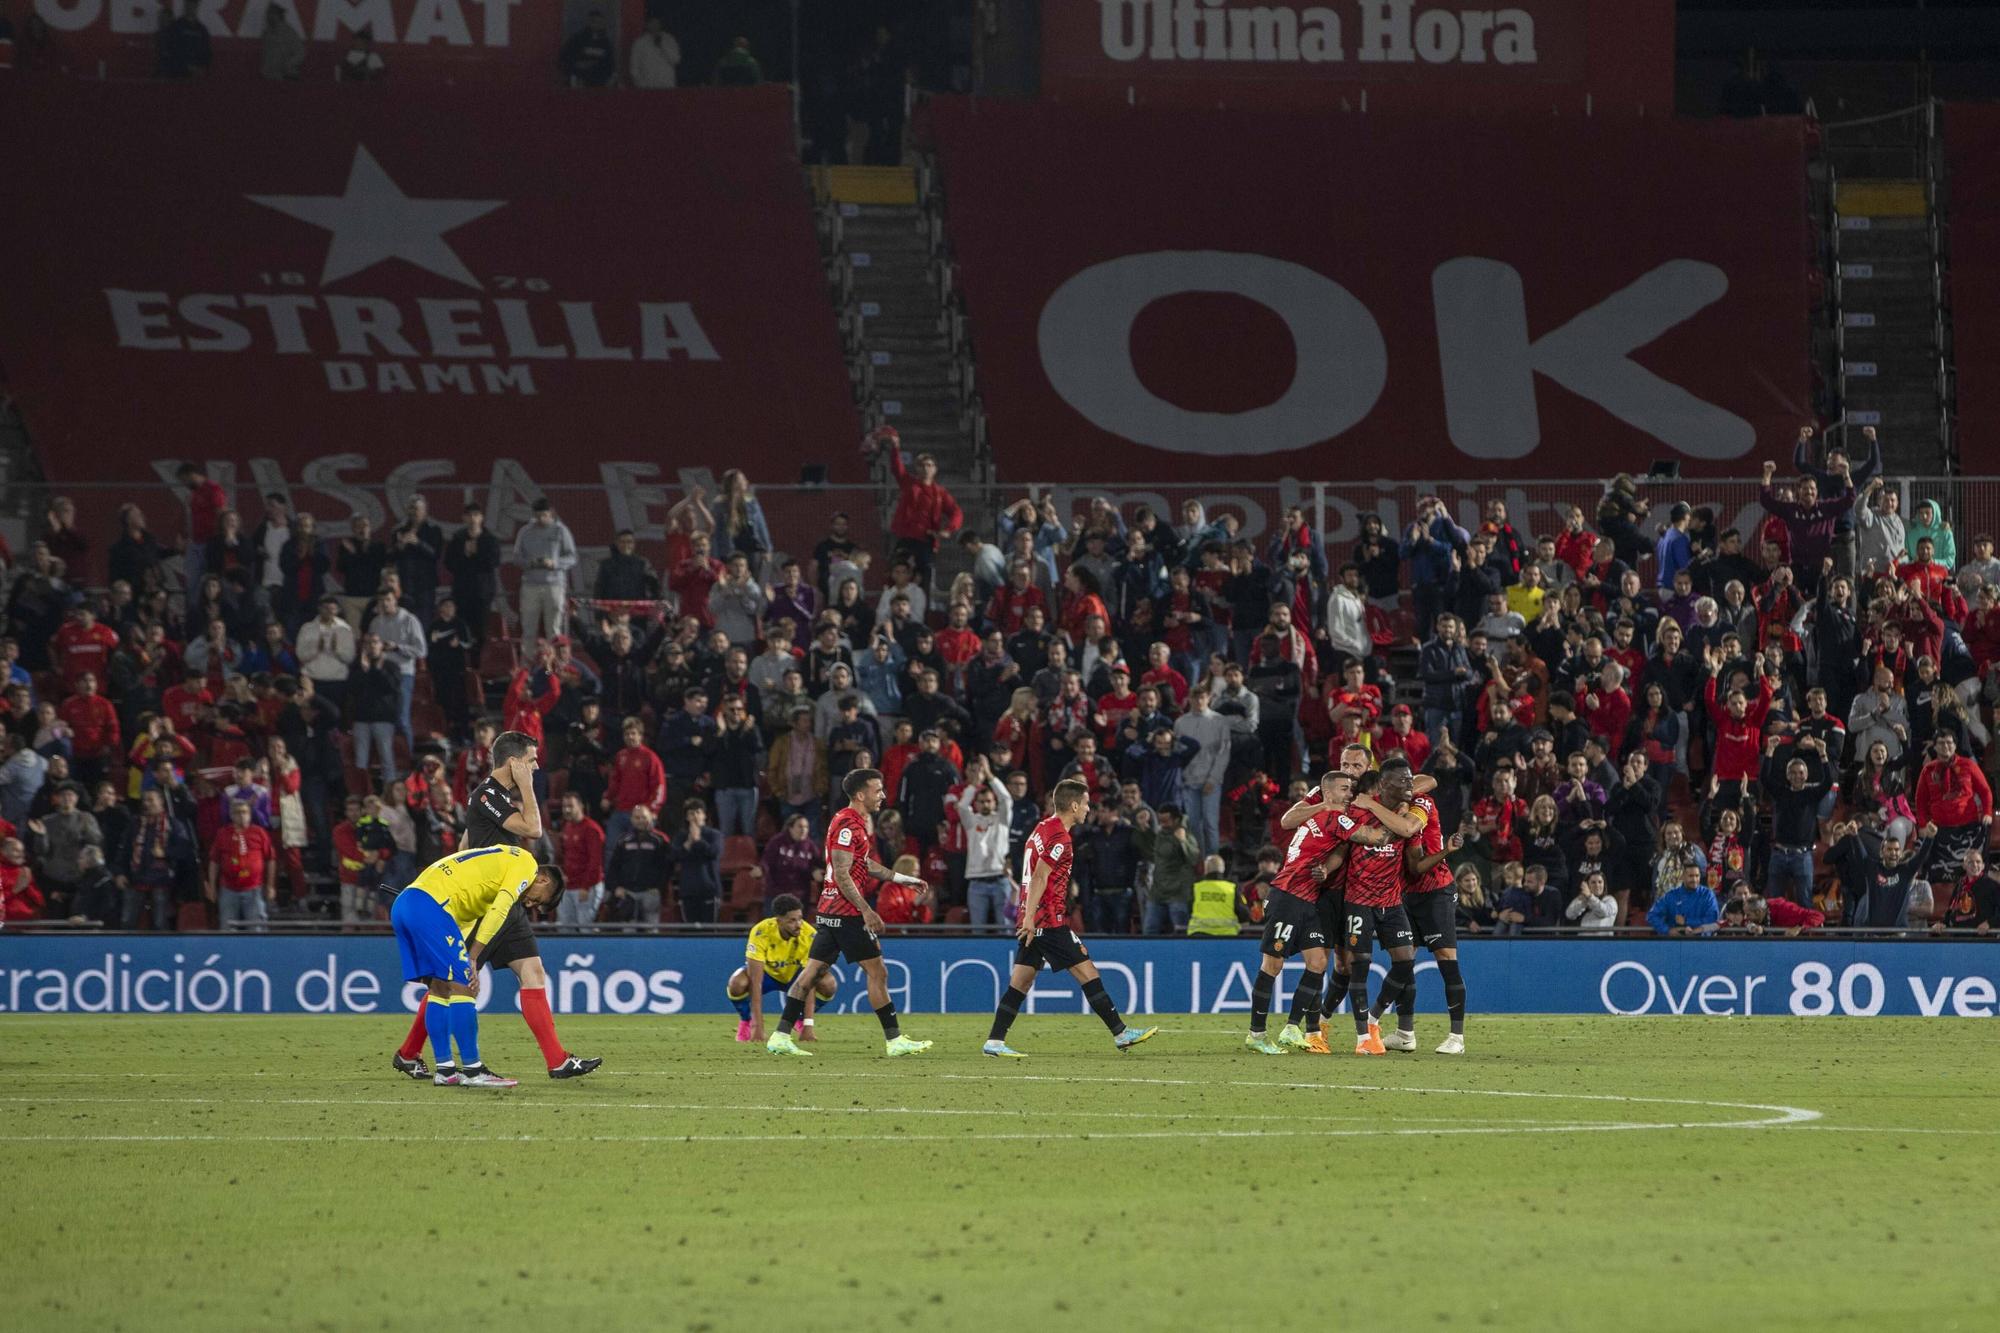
x: 329, y: 293
x: 1174, y: 294
x: 464, y: 41
x: 1972, y: 154
x: 1612, y: 56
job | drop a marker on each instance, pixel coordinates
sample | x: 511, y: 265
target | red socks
x: 535, y: 1009
x: 414, y: 1043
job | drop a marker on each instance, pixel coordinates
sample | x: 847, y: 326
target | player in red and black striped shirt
x: 1046, y: 937
x: 1375, y: 908
x: 845, y: 924
x: 1430, y: 896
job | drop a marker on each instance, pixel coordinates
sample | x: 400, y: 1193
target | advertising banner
x: 1377, y: 55
x: 345, y: 974
x: 459, y: 290
x: 1176, y: 294
x: 1972, y: 157
x: 491, y: 42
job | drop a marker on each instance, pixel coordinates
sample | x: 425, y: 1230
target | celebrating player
x: 1044, y: 931
x: 1374, y: 884
x: 444, y: 923
x: 1293, y: 924
x: 848, y: 926
x: 777, y: 949
x: 1355, y: 760
x: 502, y: 811
x: 1430, y: 896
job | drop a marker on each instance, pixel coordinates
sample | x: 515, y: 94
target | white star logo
x: 374, y: 221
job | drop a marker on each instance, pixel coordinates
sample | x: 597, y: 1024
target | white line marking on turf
x: 1007, y: 1112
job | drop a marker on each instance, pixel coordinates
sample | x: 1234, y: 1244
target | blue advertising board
x: 348, y: 974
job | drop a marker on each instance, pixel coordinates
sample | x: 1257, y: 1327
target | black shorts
x: 1057, y: 947
x: 1291, y: 925
x: 1333, y: 918
x: 1366, y: 925
x: 837, y: 937
x: 1434, y: 917
x: 514, y: 941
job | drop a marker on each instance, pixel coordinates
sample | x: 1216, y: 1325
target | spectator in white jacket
x: 1201, y: 780
x: 405, y: 644
x: 656, y: 57
x: 1347, y: 616
x: 985, y: 812
x: 326, y: 647
x: 1593, y: 909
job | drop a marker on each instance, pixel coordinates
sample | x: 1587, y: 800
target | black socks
x: 1003, y: 1017
x: 891, y: 1029
x: 1100, y: 1004
x: 794, y: 1011
x: 1260, y: 999
x: 1305, y: 1000
x: 1454, y: 992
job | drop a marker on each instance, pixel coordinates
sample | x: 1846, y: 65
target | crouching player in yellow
x: 771, y: 961
x: 443, y: 921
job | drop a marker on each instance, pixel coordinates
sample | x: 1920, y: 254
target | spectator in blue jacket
x: 1156, y: 766
x: 879, y: 673
x: 1687, y: 910
x: 1446, y: 669
x: 697, y: 853
x: 687, y: 744
x: 1430, y: 545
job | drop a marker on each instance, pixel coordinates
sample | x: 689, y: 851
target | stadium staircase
x: 1887, y: 288
x: 909, y: 359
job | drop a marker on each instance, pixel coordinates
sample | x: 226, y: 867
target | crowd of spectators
x: 1641, y: 718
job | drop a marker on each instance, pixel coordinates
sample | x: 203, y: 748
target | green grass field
x: 268, y: 1173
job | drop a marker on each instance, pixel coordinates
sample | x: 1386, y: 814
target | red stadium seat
x: 746, y: 894
x: 739, y: 852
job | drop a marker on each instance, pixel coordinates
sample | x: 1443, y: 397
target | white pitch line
x: 881, y: 1139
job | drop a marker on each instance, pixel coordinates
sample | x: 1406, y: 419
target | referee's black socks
x: 1100, y: 1004
x: 1004, y: 1016
x: 794, y: 1011
x: 1305, y: 1000
x: 1260, y: 999
x: 1454, y: 992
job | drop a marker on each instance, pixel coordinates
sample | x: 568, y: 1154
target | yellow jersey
x: 480, y: 886
x: 782, y: 958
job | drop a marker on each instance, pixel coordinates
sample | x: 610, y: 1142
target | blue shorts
x: 432, y: 945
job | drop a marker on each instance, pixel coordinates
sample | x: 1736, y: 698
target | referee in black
x: 502, y: 811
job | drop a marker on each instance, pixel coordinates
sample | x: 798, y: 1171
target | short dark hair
x: 854, y: 782
x: 692, y: 804
x: 554, y: 872
x: 1395, y: 763
x: 1168, y: 809
x: 511, y: 745
x: 785, y: 904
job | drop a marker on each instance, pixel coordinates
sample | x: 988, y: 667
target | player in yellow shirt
x: 443, y: 922
x: 776, y: 951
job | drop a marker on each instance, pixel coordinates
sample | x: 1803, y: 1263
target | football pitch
x: 1692, y: 1173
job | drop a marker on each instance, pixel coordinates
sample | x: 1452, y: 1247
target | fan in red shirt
x: 1045, y: 933
x: 1499, y: 816
x: 925, y: 511
x: 637, y: 778
x: 1007, y: 610
x: 1605, y: 707
x: 846, y: 925
x: 691, y: 579
x: 94, y: 721
x: 582, y: 860
x: 1953, y: 794
x: 1402, y: 737
x: 242, y: 861
x: 83, y: 645
x: 20, y: 899
x: 1739, y: 724
x: 1160, y: 672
